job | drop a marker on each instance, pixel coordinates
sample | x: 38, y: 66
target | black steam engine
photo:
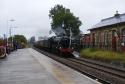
x: 56, y: 44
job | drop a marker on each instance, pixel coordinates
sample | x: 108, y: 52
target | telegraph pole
x: 70, y: 37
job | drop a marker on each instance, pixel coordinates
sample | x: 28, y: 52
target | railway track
x: 102, y: 73
x: 108, y: 74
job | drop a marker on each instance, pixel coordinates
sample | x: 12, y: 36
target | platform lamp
x: 10, y: 32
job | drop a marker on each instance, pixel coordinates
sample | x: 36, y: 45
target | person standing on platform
x: 15, y: 44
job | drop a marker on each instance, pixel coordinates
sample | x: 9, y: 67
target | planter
x: 2, y: 52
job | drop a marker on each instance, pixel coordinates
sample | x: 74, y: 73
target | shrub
x: 103, y: 55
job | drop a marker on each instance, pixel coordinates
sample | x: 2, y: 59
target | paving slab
x: 20, y: 67
x: 27, y: 66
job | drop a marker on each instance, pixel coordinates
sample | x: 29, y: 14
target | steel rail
x: 102, y: 73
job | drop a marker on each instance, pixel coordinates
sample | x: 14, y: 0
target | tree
x: 62, y: 17
x: 1, y: 41
x: 21, y: 39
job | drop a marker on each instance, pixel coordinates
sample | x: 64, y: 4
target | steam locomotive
x: 56, y: 44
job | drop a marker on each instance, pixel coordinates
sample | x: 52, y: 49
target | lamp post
x: 10, y: 31
x: 12, y: 20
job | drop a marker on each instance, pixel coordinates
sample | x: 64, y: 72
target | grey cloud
x: 31, y: 16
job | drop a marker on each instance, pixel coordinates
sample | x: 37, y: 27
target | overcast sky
x: 31, y: 16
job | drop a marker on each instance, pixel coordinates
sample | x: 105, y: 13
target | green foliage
x: 1, y: 42
x: 103, y: 55
x: 62, y: 16
x: 21, y: 39
x: 10, y: 39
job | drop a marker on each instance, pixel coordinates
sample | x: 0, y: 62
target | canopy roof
x: 117, y: 18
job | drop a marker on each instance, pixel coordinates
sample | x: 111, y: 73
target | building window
x: 114, y: 33
x: 96, y: 39
x: 106, y: 38
x: 93, y: 39
x: 123, y: 37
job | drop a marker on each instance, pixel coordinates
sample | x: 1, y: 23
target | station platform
x: 27, y: 66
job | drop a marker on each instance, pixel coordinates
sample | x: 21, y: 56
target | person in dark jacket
x: 15, y: 44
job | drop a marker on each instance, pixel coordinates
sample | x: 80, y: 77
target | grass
x: 103, y: 55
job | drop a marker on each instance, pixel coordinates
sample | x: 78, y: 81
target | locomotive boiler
x: 56, y: 44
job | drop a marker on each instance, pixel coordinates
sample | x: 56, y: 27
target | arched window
x: 114, y: 33
x: 93, y: 39
x: 114, y: 40
x: 123, y: 36
x: 106, y: 38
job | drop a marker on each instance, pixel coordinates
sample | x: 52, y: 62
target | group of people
x: 10, y: 46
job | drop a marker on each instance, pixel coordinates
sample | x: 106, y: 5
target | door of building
x: 123, y: 40
x: 114, y: 35
x: 93, y: 39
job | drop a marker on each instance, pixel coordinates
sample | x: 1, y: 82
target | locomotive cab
x: 64, y: 42
x: 65, y: 46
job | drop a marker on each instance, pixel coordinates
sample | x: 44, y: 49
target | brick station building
x: 86, y: 41
x: 109, y: 34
